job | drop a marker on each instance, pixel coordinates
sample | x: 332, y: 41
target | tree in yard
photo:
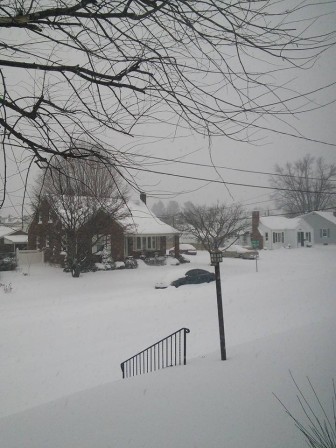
x: 303, y: 186
x: 213, y: 225
x: 98, y: 69
x: 78, y: 189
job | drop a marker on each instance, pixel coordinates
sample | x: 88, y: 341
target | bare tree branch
x: 306, y: 185
x: 97, y: 68
x: 213, y: 225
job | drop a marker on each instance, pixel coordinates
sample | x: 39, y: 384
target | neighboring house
x: 278, y: 231
x: 12, y: 239
x: 137, y: 233
x: 324, y: 225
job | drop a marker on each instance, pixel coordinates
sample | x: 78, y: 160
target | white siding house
x: 324, y: 226
x: 278, y: 231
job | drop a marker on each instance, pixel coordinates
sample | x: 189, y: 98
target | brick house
x: 137, y: 232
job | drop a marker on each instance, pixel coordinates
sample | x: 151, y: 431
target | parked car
x: 187, y: 249
x: 194, y: 276
x: 236, y: 251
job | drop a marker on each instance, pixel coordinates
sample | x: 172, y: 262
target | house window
x: 101, y: 242
x: 266, y: 236
x: 153, y: 242
x: 325, y: 233
x: 146, y: 243
x: 38, y: 242
x: 40, y: 218
x: 47, y: 241
x: 138, y: 243
x: 278, y: 237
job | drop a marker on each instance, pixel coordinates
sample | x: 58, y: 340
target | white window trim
x: 146, y: 243
x: 325, y: 233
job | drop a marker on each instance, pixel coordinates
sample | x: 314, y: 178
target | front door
x: 128, y: 246
x: 300, y: 236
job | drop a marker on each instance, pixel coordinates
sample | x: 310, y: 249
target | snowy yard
x: 62, y: 341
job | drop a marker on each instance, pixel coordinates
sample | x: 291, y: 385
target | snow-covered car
x: 187, y: 249
x: 193, y: 276
x: 236, y: 251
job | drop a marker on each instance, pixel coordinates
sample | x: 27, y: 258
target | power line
x: 205, y: 165
x: 221, y: 181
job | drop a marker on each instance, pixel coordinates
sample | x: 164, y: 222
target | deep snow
x: 62, y: 341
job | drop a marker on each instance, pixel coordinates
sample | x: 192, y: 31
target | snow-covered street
x: 62, y: 341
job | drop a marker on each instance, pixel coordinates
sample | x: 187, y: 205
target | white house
x: 324, y: 226
x: 278, y: 231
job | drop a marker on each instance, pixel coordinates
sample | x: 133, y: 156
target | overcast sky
x: 272, y: 149
x: 222, y: 152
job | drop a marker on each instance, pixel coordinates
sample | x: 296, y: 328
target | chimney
x: 143, y: 197
x: 255, y: 234
x: 255, y: 222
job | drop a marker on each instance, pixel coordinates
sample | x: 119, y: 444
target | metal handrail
x: 169, y: 351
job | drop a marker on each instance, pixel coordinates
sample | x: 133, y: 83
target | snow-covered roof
x: 135, y: 217
x: 326, y: 215
x: 16, y: 238
x: 280, y: 222
x: 143, y: 222
x: 5, y: 230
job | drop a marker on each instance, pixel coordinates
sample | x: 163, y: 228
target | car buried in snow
x: 191, y: 277
x: 236, y: 251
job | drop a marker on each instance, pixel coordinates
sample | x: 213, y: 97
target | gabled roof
x: 135, y: 217
x: 329, y: 216
x: 280, y: 222
x: 143, y: 222
x: 16, y: 238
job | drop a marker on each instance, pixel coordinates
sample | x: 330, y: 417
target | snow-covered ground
x: 62, y: 341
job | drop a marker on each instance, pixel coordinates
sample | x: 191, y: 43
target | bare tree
x: 76, y: 191
x: 100, y: 68
x: 305, y: 185
x: 213, y: 225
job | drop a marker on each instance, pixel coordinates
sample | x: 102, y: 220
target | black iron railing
x: 170, y: 351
